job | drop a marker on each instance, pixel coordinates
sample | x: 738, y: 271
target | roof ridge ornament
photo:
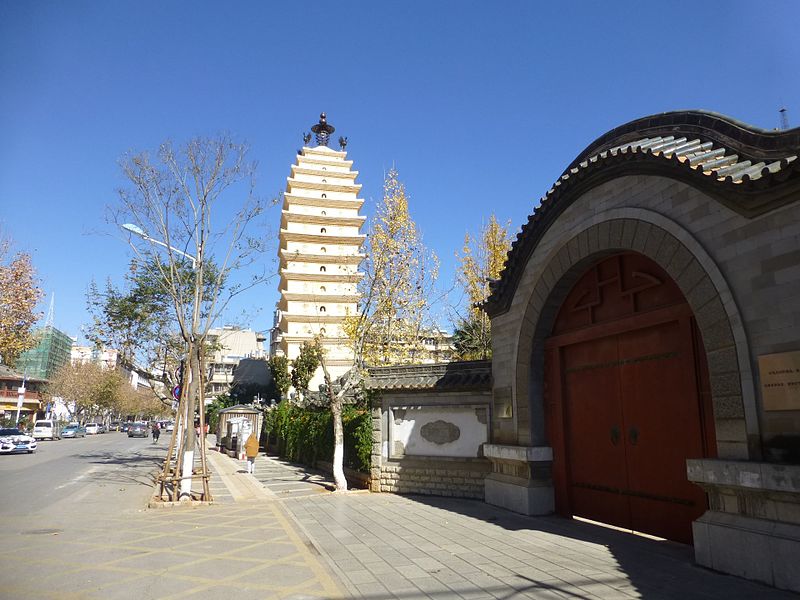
x: 323, y: 130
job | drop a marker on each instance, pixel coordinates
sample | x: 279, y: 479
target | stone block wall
x: 435, y: 477
x: 429, y: 426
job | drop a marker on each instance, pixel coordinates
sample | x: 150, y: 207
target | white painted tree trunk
x: 186, y: 473
x: 190, y: 436
x: 338, y: 446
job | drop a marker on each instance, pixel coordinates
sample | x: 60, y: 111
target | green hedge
x: 305, y: 435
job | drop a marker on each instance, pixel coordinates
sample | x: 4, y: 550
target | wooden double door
x: 628, y: 404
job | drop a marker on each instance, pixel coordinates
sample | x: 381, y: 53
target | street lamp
x: 136, y: 230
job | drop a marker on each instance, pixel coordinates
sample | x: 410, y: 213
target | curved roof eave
x: 749, y: 170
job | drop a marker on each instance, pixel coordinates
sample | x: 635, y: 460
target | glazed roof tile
x: 467, y: 375
x: 749, y: 170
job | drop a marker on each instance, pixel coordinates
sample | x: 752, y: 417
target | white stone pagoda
x: 320, y: 251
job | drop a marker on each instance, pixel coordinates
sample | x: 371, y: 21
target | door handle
x: 615, y: 435
x: 633, y: 436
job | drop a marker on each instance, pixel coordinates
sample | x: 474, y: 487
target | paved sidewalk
x: 385, y: 546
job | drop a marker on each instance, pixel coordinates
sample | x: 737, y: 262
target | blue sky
x: 479, y: 105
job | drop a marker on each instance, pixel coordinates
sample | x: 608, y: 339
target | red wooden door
x: 594, y: 424
x: 627, y: 405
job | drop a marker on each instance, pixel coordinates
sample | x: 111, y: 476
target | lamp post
x: 136, y: 230
x: 186, y: 424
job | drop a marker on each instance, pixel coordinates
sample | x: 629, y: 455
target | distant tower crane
x: 784, y: 118
x: 51, y: 311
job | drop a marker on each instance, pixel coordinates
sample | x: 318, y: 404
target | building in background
x: 230, y: 345
x: 107, y: 357
x: 48, y: 356
x: 33, y: 399
x: 438, y: 346
x: 320, y: 250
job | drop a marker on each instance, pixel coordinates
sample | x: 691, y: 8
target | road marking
x: 78, y: 478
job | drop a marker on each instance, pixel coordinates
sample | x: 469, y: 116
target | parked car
x: 169, y: 426
x: 125, y: 426
x: 73, y: 431
x: 139, y: 430
x: 102, y: 428
x: 46, y: 429
x: 12, y: 441
x: 114, y: 426
x: 92, y: 428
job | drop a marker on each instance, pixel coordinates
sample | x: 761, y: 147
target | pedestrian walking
x: 156, y: 432
x: 251, y: 451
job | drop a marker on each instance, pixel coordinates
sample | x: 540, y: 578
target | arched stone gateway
x: 627, y: 399
x: 648, y: 315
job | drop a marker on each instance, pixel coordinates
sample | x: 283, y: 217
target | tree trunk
x: 189, y: 433
x: 338, y: 446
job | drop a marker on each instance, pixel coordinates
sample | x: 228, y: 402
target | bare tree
x: 192, y: 209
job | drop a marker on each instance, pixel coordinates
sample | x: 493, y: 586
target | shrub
x: 305, y: 435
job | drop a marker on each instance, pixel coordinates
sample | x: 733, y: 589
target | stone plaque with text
x: 780, y: 380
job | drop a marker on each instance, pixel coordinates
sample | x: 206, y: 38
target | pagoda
x: 320, y: 251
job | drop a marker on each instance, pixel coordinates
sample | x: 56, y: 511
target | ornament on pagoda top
x: 323, y: 130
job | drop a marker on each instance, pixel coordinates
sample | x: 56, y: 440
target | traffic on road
x: 15, y: 440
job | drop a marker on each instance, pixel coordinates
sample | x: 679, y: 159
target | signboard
x: 176, y: 392
x: 21, y: 397
x: 780, y: 380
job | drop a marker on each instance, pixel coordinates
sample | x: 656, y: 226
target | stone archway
x: 706, y: 292
x: 627, y: 400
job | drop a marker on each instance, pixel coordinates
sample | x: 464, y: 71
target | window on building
x: 322, y: 288
x: 324, y: 181
x: 324, y: 195
x: 322, y: 331
x: 322, y: 269
x: 323, y: 249
x: 323, y: 230
x: 321, y: 309
x: 324, y: 212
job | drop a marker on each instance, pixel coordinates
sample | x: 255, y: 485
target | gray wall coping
x: 744, y: 474
x: 518, y: 453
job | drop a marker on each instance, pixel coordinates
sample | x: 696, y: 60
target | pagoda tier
x: 319, y: 251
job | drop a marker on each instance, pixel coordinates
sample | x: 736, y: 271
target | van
x: 46, y: 429
x: 92, y: 428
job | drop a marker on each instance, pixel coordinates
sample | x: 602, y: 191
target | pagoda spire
x: 323, y: 130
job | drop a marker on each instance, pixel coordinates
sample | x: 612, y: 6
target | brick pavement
x: 386, y: 546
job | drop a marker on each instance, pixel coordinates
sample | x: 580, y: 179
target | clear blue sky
x: 479, y: 105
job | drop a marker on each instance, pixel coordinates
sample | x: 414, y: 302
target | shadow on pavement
x: 656, y: 569
x: 131, y: 469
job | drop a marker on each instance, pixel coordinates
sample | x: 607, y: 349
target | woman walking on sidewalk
x: 251, y: 451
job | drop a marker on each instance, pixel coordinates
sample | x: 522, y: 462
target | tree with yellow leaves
x: 481, y: 260
x: 399, y: 275
x: 19, y: 294
x: 398, y: 282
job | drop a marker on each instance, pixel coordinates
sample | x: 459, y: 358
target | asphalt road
x: 71, y: 475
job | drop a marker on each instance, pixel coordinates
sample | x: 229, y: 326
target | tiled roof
x: 749, y: 170
x: 471, y: 375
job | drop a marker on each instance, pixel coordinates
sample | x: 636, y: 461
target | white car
x: 92, y: 428
x: 45, y: 429
x: 12, y: 440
